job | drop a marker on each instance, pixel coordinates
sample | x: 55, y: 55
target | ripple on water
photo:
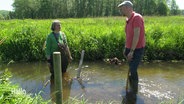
x: 153, y: 89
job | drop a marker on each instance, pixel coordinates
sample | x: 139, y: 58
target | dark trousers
x: 133, y: 66
x: 64, y: 63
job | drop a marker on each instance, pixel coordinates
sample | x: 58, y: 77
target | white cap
x: 126, y: 3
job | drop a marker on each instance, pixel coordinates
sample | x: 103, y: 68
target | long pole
x: 80, y: 64
x: 127, y: 80
x: 57, y: 77
x: 2, y: 40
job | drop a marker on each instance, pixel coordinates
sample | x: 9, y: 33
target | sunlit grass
x: 12, y: 94
x: 99, y: 37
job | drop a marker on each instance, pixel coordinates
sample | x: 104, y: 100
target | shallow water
x: 159, y: 81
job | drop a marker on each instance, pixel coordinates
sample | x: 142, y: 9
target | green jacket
x: 51, y: 43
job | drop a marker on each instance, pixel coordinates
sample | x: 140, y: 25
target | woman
x: 56, y: 41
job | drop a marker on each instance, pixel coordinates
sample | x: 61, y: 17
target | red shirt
x: 134, y: 21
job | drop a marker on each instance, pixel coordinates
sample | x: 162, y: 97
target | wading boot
x: 134, y: 86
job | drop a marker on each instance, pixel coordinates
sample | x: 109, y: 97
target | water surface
x: 100, y: 81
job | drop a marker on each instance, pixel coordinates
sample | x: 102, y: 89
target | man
x: 135, y: 41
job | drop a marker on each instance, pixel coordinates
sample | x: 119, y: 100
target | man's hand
x: 124, y: 53
x: 130, y: 56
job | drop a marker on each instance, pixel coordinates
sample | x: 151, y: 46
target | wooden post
x: 80, y: 64
x: 57, y: 77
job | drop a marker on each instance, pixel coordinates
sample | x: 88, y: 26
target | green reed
x: 99, y: 37
x: 13, y: 94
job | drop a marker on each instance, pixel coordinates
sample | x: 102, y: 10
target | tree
x: 4, y: 14
x: 149, y: 7
x: 87, y: 8
x: 26, y: 8
x: 162, y: 8
x: 107, y: 8
x: 1, y: 17
x: 174, y: 8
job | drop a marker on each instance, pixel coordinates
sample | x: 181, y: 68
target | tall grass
x: 165, y: 38
x: 99, y: 37
x: 12, y: 94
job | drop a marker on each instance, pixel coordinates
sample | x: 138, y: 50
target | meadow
x: 99, y: 37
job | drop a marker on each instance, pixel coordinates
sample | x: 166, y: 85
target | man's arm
x: 135, y: 38
x: 134, y: 43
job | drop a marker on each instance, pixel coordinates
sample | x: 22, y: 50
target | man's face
x: 123, y: 10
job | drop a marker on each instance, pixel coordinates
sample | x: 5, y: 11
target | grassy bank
x: 99, y: 37
x: 13, y: 94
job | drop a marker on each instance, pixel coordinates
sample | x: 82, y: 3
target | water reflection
x: 66, y: 84
x: 129, y: 98
x: 103, y: 82
x: 67, y: 81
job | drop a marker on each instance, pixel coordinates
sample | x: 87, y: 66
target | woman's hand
x: 49, y: 62
x: 70, y: 59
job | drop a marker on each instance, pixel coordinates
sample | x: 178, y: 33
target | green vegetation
x: 87, y: 8
x: 99, y: 37
x: 4, y: 14
x: 12, y: 94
